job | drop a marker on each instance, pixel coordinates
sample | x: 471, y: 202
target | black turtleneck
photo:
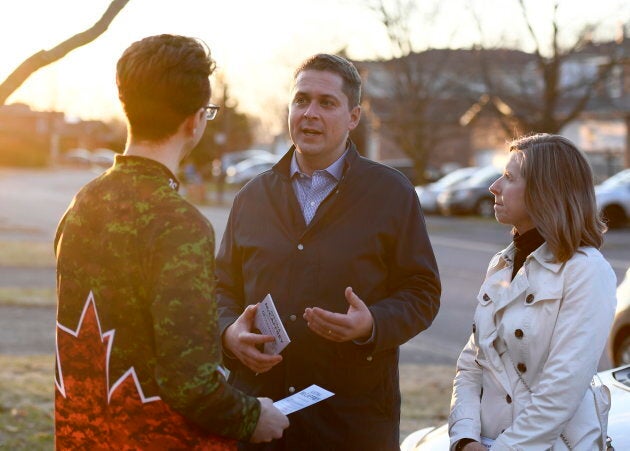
x: 525, y: 244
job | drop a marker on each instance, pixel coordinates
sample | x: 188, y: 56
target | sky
x: 256, y: 43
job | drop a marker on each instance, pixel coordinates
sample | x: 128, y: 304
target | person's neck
x: 311, y: 163
x: 169, y: 153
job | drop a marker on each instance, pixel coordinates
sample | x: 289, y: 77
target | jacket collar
x: 542, y: 255
x: 283, y: 167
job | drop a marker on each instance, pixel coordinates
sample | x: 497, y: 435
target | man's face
x: 320, y: 119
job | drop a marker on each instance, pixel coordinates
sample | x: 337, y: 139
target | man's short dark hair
x: 340, y: 66
x: 162, y: 80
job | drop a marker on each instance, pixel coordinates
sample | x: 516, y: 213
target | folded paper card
x: 268, y: 322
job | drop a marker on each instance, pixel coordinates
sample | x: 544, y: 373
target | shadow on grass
x: 27, y: 393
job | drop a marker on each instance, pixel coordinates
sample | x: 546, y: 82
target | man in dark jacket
x: 340, y: 243
x: 138, y: 349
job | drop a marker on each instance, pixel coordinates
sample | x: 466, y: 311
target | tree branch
x: 46, y: 57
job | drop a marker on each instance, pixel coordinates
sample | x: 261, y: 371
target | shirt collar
x: 335, y: 169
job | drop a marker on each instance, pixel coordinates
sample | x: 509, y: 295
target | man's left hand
x: 355, y: 324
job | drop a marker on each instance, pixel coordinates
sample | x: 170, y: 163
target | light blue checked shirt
x: 311, y: 191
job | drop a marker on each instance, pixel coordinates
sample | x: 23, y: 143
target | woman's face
x: 509, y: 196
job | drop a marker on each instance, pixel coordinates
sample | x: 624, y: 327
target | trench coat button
x: 518, y: 333
x: 508, y: 399
x: 474, y: 328
x: 292, y: 317
x: 369, y: 358
x: 300, y: 246
x: 486, y: 297
x: 521, y: 367
x: 291, y: 389
x: 530, y: 298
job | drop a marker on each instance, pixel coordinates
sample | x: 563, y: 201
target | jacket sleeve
x: 464, y: 420
x: 230, y: 295
x: 413, y: 281
x: 577, y: 343
x: 187, y: 342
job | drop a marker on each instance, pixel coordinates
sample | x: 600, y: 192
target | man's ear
x: 193, y: 121
x: 355, y: 116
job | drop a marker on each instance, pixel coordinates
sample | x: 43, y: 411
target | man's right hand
x: 239, y: 340
x: 271, y: 422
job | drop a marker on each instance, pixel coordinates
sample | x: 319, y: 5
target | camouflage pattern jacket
x: 138, y: 350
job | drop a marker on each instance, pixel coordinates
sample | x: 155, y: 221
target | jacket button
x: 518, y: 333
x: 529, y: 299
x: 486, y: 297
x: 369, y: 358
x: 521, y: 367
x: 292, y: 317
x: 474, y: 328
x: 300, y: 246
x: 508, y: 399
x: 291, y: 389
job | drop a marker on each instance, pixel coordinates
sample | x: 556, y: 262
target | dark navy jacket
x: 368, y: 234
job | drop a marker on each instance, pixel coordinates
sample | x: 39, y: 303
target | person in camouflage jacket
x: 138, y: 351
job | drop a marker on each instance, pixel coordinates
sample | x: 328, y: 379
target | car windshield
x: 619, y: 179
x: 454, y: 177
x: 483, y: 176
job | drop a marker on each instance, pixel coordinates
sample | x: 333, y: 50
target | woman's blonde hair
x: 559, y: 193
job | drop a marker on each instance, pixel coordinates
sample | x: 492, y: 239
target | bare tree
x: 555, y: 86
x: 405, y: 92
x: 45, y: 57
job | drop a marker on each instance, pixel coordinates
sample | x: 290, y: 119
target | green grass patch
x: 28, y: 296
x: 27, y: 394
x: 26, y: 402
x: 31, y: 254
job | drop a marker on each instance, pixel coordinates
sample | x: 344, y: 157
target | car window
x: 454, y: 177
x: 485, y: 176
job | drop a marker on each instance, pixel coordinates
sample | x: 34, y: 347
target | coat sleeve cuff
x: 462, y: 428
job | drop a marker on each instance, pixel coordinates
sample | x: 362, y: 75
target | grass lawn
x: 26, y: 402
x: 27, y: 387
x: 27, y: 253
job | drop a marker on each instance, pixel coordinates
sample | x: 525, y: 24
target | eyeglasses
x: 211, y: 111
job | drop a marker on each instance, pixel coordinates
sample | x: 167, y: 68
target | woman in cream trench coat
x: 547, y: 320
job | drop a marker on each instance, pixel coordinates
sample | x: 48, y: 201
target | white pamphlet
x: 268, y: 322
x: 302, y: 399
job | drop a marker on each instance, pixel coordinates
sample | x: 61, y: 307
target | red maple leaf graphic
x: 91, y: 414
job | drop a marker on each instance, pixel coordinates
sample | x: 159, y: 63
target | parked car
x: 428, y: 193
x: 619, y: 340
x: 243, y: 171
x: 232, y: 158
x: 617, y: 380
x: 103, y: 157
x: 77, y: 157
x: 470, y: 196
x: 613, y: 199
